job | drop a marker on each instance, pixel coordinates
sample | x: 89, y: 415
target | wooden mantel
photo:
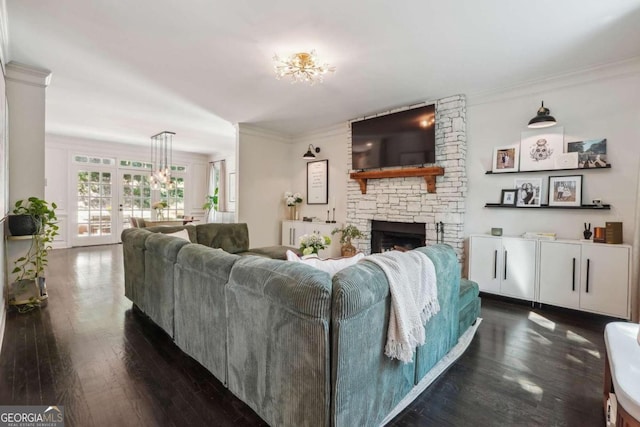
x: 428, y: 173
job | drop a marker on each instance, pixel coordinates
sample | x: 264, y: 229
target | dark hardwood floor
x: 108, y: 365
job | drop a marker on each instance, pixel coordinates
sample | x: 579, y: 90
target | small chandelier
x: 301, y: 67
x: 161, y: 157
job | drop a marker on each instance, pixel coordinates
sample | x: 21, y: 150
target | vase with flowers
x: 159, y: 207
x: 313, y: 243
x: 292, y: 200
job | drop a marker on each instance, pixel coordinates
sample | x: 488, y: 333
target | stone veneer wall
x: 406, y: 199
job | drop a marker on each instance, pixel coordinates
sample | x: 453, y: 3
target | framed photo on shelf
x: 509, y: 197
x: 529, y: 192
x: 567, y: 161
x: 539, y: 148
x: 591, y: 153
x: 506, y: 159
x: 318, y: 182
x: 565, y: 190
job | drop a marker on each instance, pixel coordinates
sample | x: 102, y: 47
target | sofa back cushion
x: 232, y: 238
x: 278, y: 340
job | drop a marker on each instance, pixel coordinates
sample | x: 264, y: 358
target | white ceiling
x: 125, y: 70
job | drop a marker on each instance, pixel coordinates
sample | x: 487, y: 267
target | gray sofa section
x: 299, y: 348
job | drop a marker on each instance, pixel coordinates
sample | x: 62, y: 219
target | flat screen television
x: 404, y: 138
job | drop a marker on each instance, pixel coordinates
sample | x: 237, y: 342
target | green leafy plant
x: 32, y: 264
x: 211, y: 202
x: 347, y: 233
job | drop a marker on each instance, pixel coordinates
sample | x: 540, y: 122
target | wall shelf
x: 594, y: 207
x: 550, y: 170
x: 429, y: 174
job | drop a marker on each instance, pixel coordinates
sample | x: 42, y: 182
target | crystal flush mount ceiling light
x: 301, y: 67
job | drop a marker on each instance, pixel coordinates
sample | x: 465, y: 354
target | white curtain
x: 217, y: 179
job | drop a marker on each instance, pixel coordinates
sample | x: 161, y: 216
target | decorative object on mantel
x: 565, y: 190
x: 429, y: 174
x: 313, y: 243
x: 591, y: 153
x: 539, y: 148
x: 529, y: 192
x: 613, y: 233
x: 346, y: 234
x: 587, y: 231
x: 506, y: 159
x: 292, y: 200
x: 309, y: 154
x: 302, y: 67
x: 161, y: 158
x: 599, y: 234
x: 543, y: 119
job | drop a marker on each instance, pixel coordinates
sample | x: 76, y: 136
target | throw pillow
x: 182, y: 234
x: 331, y: 265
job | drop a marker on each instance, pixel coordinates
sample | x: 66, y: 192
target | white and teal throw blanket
x: 414, y: 299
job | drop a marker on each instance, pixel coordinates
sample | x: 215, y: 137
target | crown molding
x: 27, y: 74
x: 253, y: 130
x: 608, y: 71
x: 322, y: 133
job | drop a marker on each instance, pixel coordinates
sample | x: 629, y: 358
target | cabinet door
x: 605, y: 280
x: 485, y: 255
x: 289, y: 234
x: 560, y: 274
x: 518, y: 272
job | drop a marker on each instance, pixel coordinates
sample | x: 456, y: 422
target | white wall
x: 333, y: 143
x: 600, y: 103
x: 263, y: 175
x: 59, y: 174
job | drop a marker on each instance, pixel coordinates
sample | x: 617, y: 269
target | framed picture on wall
x: 318, y: 182
x: 508, y: 197
x: 539, y: 148
x: 565, y: 190
x: 529, y: 192
x: 592, y: 153
x: 506, y: 159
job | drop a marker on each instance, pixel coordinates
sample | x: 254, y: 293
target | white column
x: 26, y: 87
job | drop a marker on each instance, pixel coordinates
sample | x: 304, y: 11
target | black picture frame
x: 318, y: 182
x: 509, y: 197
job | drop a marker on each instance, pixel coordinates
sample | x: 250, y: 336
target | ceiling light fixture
x: 309, y: 154
x: 301, y: 67
x: 161, y: 157
x: 542, y: 118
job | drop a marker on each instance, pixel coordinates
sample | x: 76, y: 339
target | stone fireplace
x: 406, y: 200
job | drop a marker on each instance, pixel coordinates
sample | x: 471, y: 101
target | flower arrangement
x: 312, y: 243
x: 292, y: 199
x: 159, y: 206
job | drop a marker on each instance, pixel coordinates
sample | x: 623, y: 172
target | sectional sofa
x: 300, y: 348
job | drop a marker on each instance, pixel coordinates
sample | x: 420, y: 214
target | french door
x: 94, y: 218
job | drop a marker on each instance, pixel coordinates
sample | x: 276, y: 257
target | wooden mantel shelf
x: 429, y: 175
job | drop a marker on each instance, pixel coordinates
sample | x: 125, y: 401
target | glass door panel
x: 94, y: 219
x: 136, y: 197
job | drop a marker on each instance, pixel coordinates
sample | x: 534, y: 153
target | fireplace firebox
x: 386, y: 236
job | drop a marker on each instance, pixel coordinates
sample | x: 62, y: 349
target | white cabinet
x: 503, y: 265
x: 586, y: 276
x: 293, y: 230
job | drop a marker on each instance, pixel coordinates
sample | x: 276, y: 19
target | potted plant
x: 29, y: 269
x: 346, y: 234
x: 292, y: 200
x: 211, y: 203
x: 160, y: 206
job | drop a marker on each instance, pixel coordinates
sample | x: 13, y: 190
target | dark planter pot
x: 22, y: 225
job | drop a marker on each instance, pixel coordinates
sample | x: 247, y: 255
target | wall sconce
x: 309, y: 154
x: 542, y: 118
